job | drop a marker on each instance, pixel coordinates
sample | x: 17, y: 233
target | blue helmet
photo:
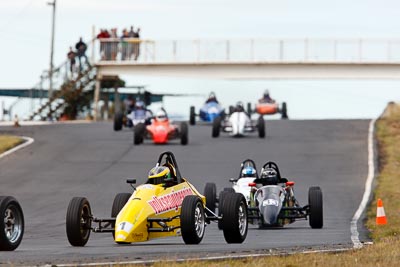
x: 249, y: 172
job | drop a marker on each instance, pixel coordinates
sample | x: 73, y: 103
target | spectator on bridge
x: 105, y: 51
x: 71, y: 57
x: 266, y: 98
x: 137, y: 44
x: 81, y: 48
x: 125, y: 53
x: 114, y: 44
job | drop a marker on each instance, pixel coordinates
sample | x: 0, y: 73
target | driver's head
x: 249, y: 172
x: 139, y: 104
x: 161, y: 115
x: 158, y: 174
x: 239, y: 105
x: 266, y: 92
x: 270, y: 176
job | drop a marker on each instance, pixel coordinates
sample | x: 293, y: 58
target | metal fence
x: 250, y: 50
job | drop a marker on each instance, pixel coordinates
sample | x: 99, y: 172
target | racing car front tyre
x: 138, y: 133
x: 284, y: 114
x: 184, y: 133
x: 316, y: 207
x: 216, y: 127
x: 119, y: 202
x: 249, y: 110
x: 192, y: 116
x: 79, y: 221
x: 210, y: 192
x: 261, y: 127
x: 229, y: 189
x: 192, y: 220
x: 234, y: 218
x: 118, y: 121
x: 11, y: 223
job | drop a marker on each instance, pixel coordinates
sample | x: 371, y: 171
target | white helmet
x: 161, y: 115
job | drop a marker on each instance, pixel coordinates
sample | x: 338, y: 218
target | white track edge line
x: 28, y: 141
x: 368, y: 187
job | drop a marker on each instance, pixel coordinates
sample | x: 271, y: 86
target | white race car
x: 238, y: 124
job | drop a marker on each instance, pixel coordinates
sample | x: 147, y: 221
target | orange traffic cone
x: 380, y: 213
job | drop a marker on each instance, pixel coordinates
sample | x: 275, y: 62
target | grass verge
x: 7, y: 142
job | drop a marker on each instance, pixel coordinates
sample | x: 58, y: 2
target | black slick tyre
x: 216, y: 128
x: 284, y: 114
x: 184, y: 133
x: 118, y: 121
x: 261, y: 127
x: 316, y: 207
x: 11, y: 223
x: 79, y: 221
x: 210, y: 192
x: 234, y: 218
x: 220, y: 204
x: 249, y: 110
x: 192, y: 220
x: 138, y: 133
x: 119, y: 202
x: 192, y: 116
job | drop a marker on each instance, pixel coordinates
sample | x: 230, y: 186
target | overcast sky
x: 25, y: 24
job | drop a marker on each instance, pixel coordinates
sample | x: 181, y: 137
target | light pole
x: 52, y: 48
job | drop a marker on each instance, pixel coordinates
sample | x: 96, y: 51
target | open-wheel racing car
x: 166, y: 205
x: 208, y: 112
x: 135, y: 115
x: 11, y: 223
x: 161, y: 130
x: 238, y: 124
x: 271, y: 199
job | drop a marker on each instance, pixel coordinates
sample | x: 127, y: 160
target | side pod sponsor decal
x: 170, y: 201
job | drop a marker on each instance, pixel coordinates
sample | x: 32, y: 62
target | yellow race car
x: 166, y: 205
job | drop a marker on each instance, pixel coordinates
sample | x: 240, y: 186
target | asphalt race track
x: 93, y: 161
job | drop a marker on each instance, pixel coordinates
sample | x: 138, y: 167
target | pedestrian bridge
x: 251, y: 58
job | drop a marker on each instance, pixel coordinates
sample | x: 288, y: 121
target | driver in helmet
x: 266, y: 98
x: 249, y: 171
x: 268, y: 176
x: 239, y: 107
x: 212, y: 98
x: 161, y: 115
x: 162, y: 175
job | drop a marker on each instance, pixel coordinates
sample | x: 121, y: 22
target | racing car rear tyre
x: 316, y: 207
x: 79, y: 221
x: 184, y: 133
x: 118, y: 121
x: 261, y: 127
x: 11, y: 223
x: 220, y: 204
x: 210, y: 192
x: 216, y: 127
x: 231, y: 109
x: 192, y: 220
x: 119, y: 202
x: 192, y: 116
x: 234, y: 218
x: 138, y: 133
x: 249, y: 110
x: 284, y: 114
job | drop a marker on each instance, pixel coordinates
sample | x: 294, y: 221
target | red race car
x: 160, y: 130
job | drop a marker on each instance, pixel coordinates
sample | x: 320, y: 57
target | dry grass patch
x: 7, y: 142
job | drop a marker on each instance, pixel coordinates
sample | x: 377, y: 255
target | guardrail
x: 250, y: 50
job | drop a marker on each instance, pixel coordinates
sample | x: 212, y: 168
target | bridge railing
x: 250, y: 50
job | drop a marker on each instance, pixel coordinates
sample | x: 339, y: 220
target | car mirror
x: 233, y: 180
x: 131, y: 181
